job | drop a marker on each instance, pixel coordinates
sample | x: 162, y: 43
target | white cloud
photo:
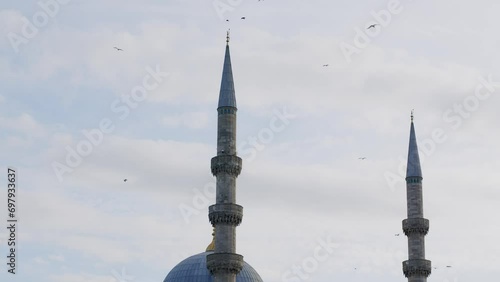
x: 58, y: 258
x: 81, y: 277
x: 40, y: 260
x: 194, y: 120
x: 24, y: 124
x: 171, y: 121
x: 11, y: 21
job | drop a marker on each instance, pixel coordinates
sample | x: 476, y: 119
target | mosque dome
x: 194, y: 269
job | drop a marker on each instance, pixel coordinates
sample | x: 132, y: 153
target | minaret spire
x: 224, y: 264
x: 227, y: 97
x: 415, y: 227
x: 413, y: 168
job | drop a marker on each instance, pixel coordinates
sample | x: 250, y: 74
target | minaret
x: 416, y: 268
x: 225, y: 215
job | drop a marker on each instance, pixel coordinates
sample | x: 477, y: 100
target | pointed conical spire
x: 413, y: 167
x: 227, y: 97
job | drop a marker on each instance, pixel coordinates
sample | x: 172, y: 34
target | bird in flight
x: 372, y: 26
x: 362, y: 158
x: 243, y: 18
x: 125, y: 180
x: 396, y: 234
x: 227, y: 20
x: 325, y: 65
x: 448, y: 266
x: 118, y: 49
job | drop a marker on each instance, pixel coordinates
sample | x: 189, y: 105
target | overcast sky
x: 77, y: 117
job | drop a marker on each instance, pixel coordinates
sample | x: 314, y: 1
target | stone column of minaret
x: 224, y: 264
x: 416, y: 268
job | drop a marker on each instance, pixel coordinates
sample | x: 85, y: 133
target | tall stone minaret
x: 416, y: 268
x: 225, y: 215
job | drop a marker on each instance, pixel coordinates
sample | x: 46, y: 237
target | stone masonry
x: 224, y: 264
x: 415, y: 227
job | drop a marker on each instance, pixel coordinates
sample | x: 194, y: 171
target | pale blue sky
x: 303, y: 184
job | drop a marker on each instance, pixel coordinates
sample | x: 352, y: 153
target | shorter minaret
x: 416, y: 268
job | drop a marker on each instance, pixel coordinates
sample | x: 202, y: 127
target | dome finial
x: 211, y: 247
x: 412, y: 114
x: 227, y: 37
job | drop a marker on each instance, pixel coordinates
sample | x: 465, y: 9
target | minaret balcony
x: 231, y: 214
x: 415, y: 226
x: 218, y: 263
x: 230, y: 164
x: 417, y: 267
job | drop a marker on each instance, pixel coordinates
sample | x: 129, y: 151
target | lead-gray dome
x: 194, y: 269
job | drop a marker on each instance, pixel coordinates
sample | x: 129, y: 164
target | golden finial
x: 412, y: 114
x: 227, y: 37
x: 211, y: 247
